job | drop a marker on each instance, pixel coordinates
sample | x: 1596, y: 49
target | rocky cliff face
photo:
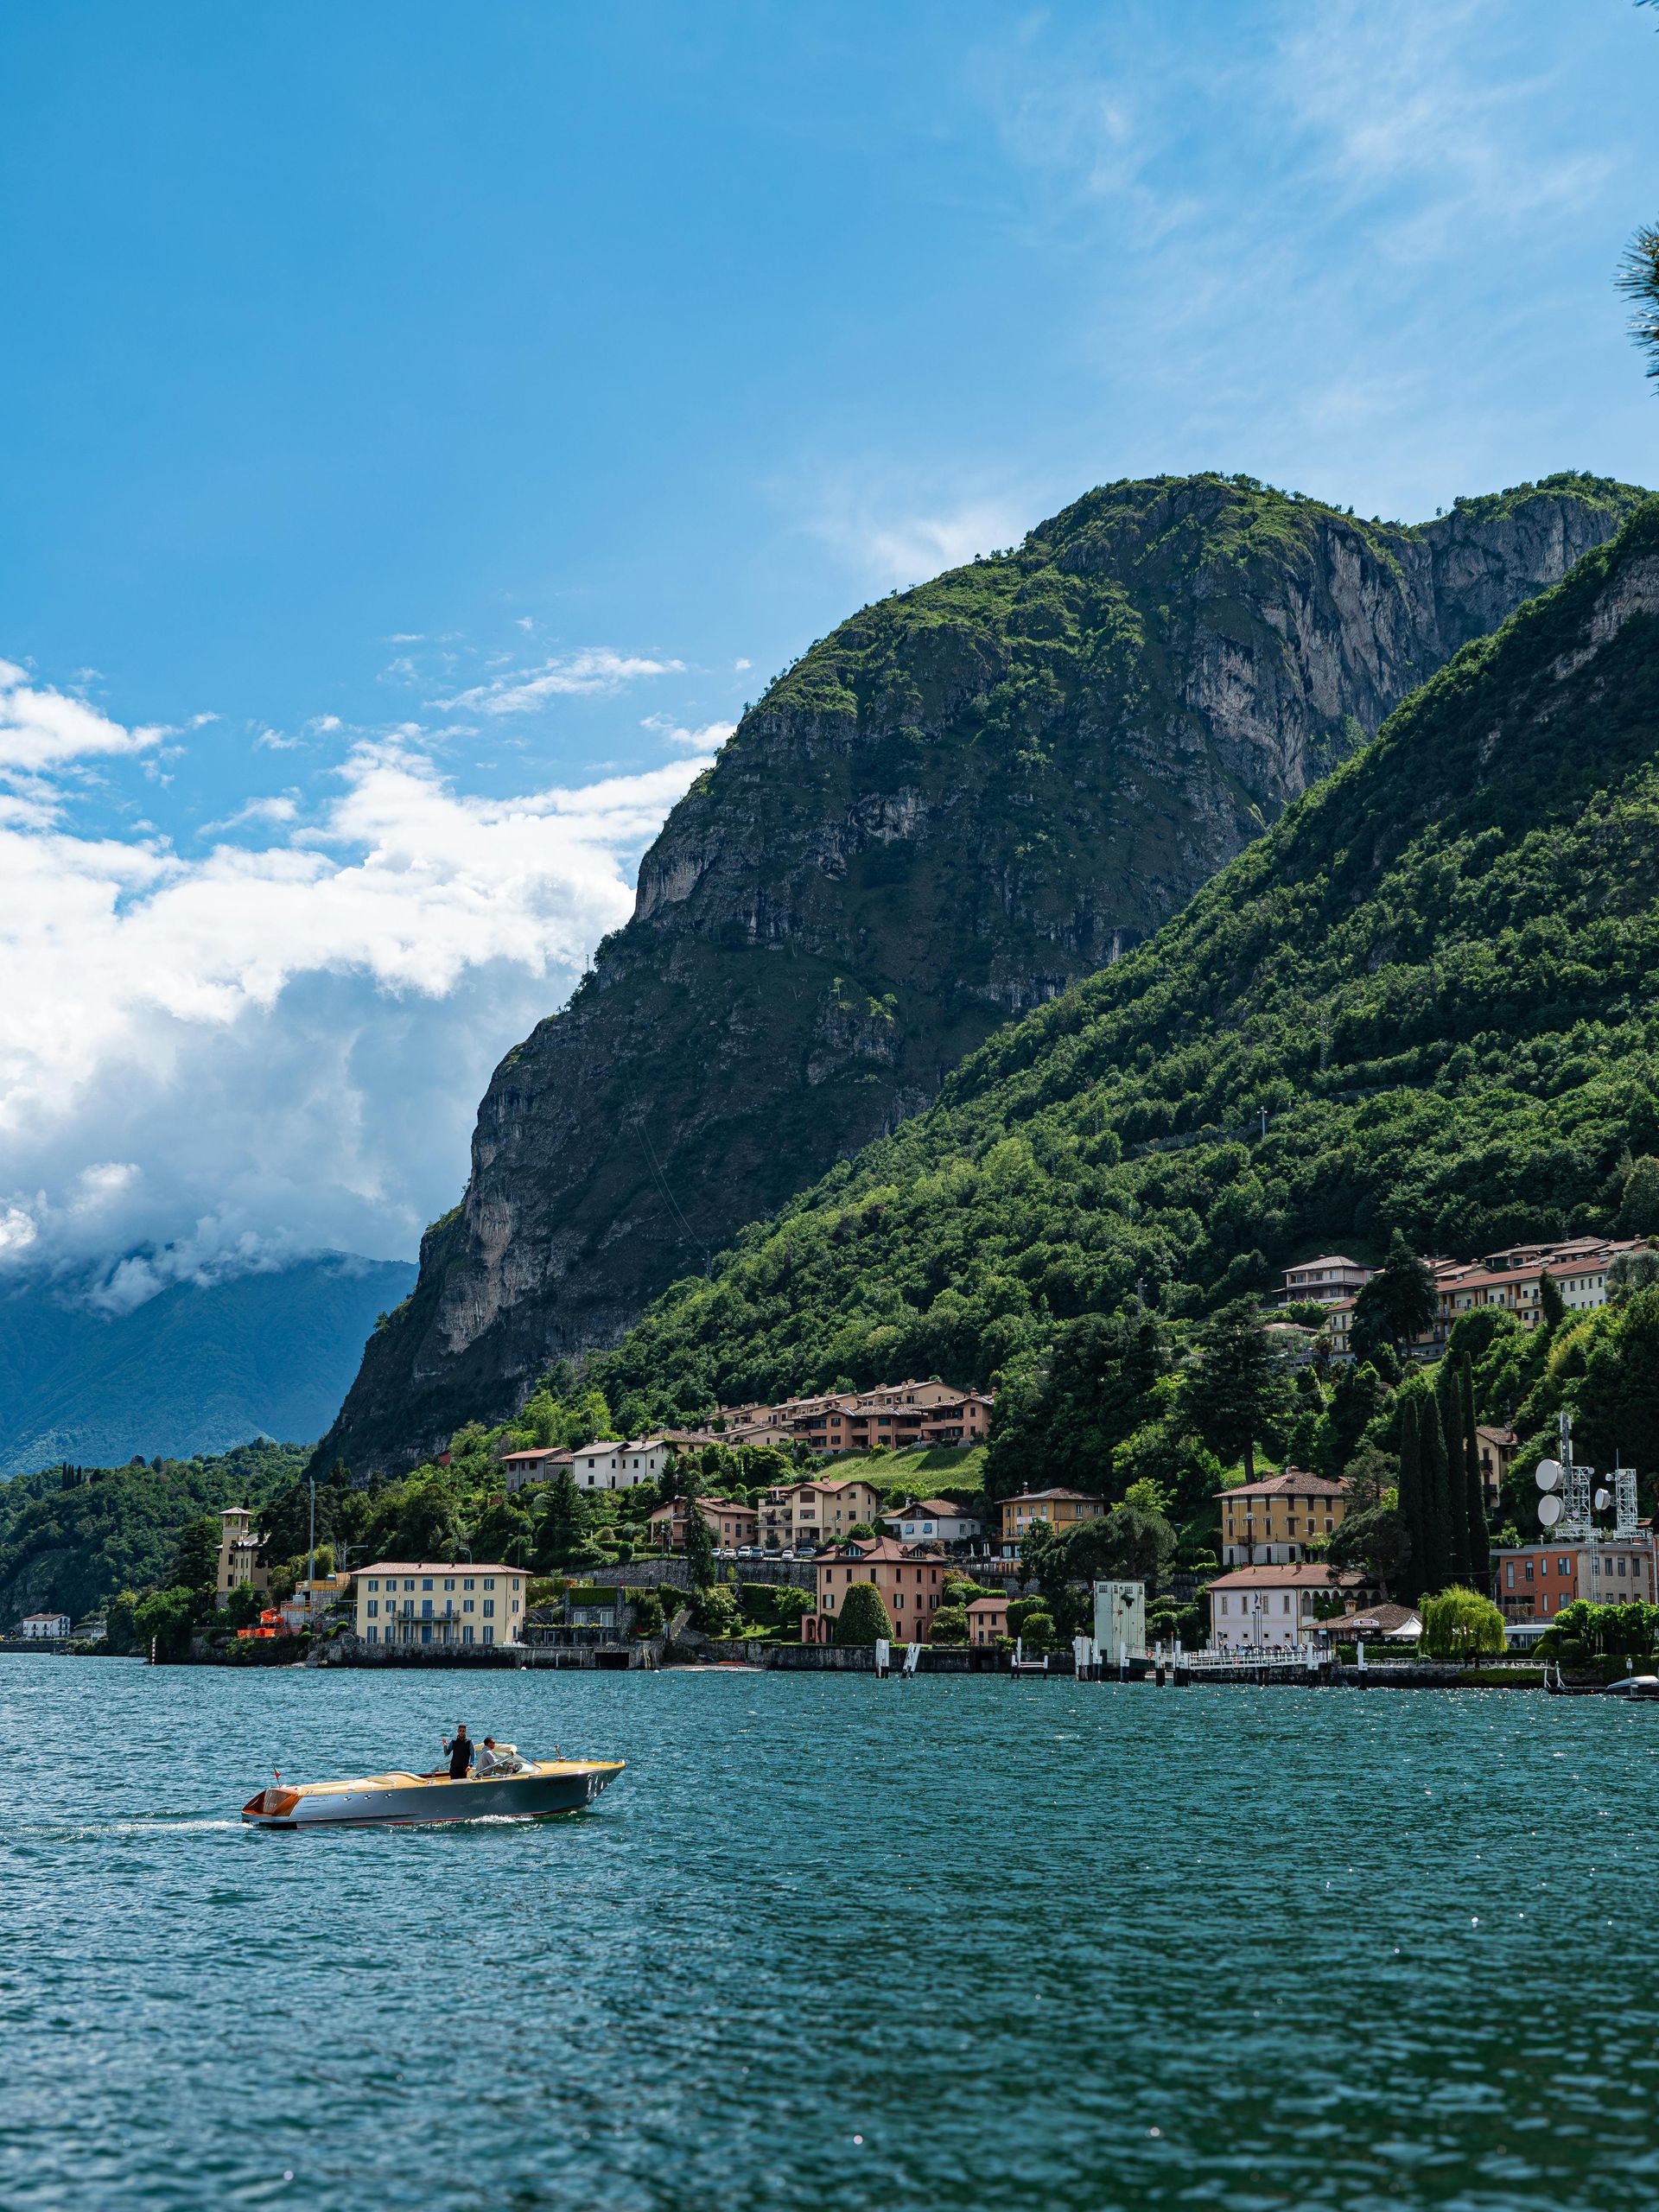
x: 963, y: 800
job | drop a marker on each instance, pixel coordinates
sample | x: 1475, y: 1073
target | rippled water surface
x: 831, y: 1942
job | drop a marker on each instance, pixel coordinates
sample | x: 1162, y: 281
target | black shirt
x: 460, y: 1757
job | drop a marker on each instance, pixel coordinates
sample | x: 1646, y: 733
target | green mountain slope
x: 196, y: 1368
x: 1435, y: 976
x: 968, y: 798
x: 117, y: 1527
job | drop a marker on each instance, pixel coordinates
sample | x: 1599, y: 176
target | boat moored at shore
x: 539, y: 1788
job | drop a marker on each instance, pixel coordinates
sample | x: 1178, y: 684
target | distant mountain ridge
x: 193, y: 1370
x: 966, y: 798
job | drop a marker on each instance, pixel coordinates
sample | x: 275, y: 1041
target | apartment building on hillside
x: 1511, y: 1278
x: 814, y: 1513
x: 1060, y: 1508
x: 1324, y: 1281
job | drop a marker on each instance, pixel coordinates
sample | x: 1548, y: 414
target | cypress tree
x: 1480, y: 1557
x: 1448, y: 1392
x: 1411, y: 1499
x: 699, y: 1544
x: 1437, y: 1503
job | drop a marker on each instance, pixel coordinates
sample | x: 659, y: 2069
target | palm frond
x: 1639, y: 276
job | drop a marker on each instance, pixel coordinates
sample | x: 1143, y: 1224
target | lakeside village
x: 1405, y: 1515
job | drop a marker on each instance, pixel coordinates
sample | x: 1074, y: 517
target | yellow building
x: 239, y: 1554
x: 440, y: 1601
x: 1269, y: 1523
x: 1062, y: 1509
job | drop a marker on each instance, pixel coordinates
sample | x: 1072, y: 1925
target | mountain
x: 193, y: 1370
x: 1426, y: 999
x: 966, y: 798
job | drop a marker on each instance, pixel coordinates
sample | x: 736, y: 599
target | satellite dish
x: 1604, y: 1499
x: 1548, y: 1476
x: 1550, y: 1511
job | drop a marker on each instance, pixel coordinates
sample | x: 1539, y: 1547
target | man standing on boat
x: 460, y: 1748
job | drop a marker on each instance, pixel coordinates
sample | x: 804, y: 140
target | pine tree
x: 1437, y: 1501
x: 1448, y: 1393
x: 563, y: 1524
x: 1414, y: 1579
x: 1480, y: 1556
x: 1398, y: 1302
x: 1551, y: 1306
x: 1234, y: 1392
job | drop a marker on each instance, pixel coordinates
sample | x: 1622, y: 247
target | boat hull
x: 550, y: 1787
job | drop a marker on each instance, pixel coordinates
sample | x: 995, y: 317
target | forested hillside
x: 73, y: 1539
x: 967, y: 796
x: 1425, y: 1000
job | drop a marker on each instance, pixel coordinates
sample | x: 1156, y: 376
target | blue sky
x: 431, y: 424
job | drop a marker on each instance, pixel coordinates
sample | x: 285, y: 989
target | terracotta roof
x: 1293, y: 1483
x: 1030, y: 1496
x: 988, y: 1605
x: 535, y: 1451
x: 1309, y: 1575
x: 942, y: 1508
x: 714, y: 1504
x: 881, y: 1549
x: 1559, y: 1270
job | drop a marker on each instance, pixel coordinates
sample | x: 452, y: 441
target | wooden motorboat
x: 536, y: 1789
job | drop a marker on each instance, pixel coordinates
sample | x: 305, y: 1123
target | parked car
x: 746, y: 1551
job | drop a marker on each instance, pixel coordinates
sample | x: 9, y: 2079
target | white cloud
x: 18, y: 1232
x: 708, y: 738
x: 593, y: 668
x: 891, y: 549
x: 47, y: 729
x: 284, y: 808
x: 268, y: 1049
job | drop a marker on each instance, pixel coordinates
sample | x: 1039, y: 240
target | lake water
x: 831, y: 1942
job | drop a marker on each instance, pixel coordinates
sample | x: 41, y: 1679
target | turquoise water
x: 831, y: 1942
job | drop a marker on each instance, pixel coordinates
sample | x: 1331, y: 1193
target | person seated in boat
x: 460, y: 1748
x: 499, y: 1758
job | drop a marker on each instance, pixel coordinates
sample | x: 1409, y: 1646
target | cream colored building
x: 426, y: 1601
x: 1274, y: 1608
x: 816, y: 1513
x: 1062, y: 1508
x: 239, y: 1554
x: 728, y: 1523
